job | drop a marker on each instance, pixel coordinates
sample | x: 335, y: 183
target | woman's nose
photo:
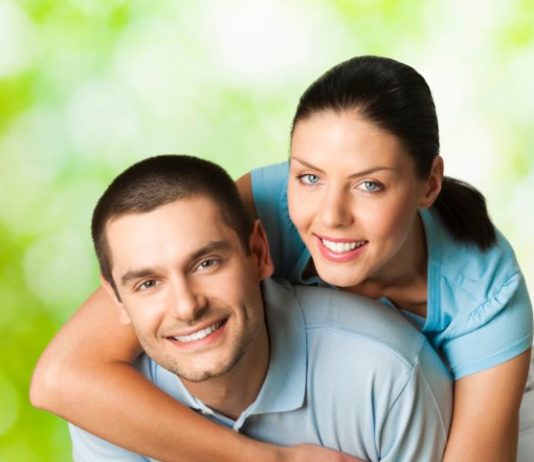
x: 335, y: 209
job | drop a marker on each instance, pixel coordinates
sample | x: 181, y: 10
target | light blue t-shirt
x: 479, y: 313
x: 345, y: 372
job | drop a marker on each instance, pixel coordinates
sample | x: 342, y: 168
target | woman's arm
x: 485, y: 420
x: 85, y: 376
x: 244, y: 186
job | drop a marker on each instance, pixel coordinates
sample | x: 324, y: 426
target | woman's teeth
x: 200, y: 334
x: 341, y: 247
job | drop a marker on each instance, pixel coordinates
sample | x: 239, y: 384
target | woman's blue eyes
x: 370, y: 186
x: 309, y: 179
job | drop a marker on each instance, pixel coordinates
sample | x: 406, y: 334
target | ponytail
x: 462, y: 208
x: 396, y: 98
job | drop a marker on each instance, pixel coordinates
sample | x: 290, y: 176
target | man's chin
x: 201, y: 375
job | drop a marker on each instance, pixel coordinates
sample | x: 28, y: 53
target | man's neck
x: 232, y: 393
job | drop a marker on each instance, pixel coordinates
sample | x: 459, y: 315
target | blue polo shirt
x: 345, y: 372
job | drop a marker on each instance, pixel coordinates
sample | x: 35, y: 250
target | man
x: 190, y: 271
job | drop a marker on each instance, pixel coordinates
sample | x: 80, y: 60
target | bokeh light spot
x: 17, y: 39
x: 9, y: 404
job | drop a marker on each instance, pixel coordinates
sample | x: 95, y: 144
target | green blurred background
x: 88, y: 87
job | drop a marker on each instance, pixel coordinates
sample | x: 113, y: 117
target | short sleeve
x: 269, y: 189
x: 479, y: 313
x: 88, y: 448
x: 504, y: 330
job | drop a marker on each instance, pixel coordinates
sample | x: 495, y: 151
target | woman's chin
x: 338, y: 276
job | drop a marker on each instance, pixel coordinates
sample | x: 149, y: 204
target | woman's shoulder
x: 466, y: 265
x: 269, y: 175
x: 269, y: 189
x: 468, y: 286
x: 479, y: 310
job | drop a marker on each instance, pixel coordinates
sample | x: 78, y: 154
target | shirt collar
x: 285, y: 384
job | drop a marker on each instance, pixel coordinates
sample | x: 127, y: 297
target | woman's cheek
x: 297, y: 207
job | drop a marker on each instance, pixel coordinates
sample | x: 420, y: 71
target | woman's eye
x: 370, y: 186
x: 309, y: 179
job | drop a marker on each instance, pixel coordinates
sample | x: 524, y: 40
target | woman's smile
x: 353, y: 196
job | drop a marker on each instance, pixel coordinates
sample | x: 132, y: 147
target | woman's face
x: 353, y: 196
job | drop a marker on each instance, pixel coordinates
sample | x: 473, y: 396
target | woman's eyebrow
x: 306, y: 164
x: 370, y: 170
x: 352, y: 175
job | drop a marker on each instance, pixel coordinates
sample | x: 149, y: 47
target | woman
x: 366, y: 209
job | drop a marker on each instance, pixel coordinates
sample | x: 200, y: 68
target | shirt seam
x: 379, y: 341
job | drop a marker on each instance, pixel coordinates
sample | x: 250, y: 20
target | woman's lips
x: 340, y: 250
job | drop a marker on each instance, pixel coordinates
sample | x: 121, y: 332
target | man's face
x: 188, y: 287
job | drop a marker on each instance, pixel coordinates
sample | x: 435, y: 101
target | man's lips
x: 198, y: 334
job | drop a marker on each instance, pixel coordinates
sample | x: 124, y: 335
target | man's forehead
x: 194, y: 210
x: 182, y: 228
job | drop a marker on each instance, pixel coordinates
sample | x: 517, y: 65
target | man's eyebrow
x: 212, y: 246
x: 352, y: 175
x: 136, y: 274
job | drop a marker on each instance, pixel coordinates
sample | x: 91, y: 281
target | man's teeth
x: 200, y: 334
x: 340, y: 247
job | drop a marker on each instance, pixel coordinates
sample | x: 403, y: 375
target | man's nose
x: 187, y: 302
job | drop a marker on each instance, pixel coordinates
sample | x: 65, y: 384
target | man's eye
x: 206, y: 264
x: 147, y: 284
x: 309, y: 179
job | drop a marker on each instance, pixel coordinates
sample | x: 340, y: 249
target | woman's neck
x: 404, y: 279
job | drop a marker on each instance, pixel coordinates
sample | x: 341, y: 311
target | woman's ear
x: 124, y: 318
x: 433, y: 183
x: 259, y: 248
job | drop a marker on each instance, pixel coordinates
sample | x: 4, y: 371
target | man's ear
x: 124, y: 318
x: 433, y: 183
x: 259, y: 248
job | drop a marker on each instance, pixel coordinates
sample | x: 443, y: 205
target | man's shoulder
x: 332, y: 313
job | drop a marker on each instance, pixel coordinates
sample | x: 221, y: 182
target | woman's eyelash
x: 309, y: 179
x: 370, y: 186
